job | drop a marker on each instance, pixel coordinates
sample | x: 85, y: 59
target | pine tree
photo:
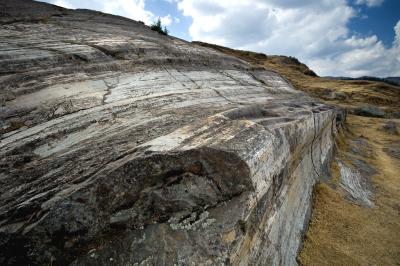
x: 157, y: 26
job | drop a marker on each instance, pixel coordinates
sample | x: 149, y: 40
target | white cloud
x: 363, y: 57
x: 63, y: 4
x: 315, y: 31
x: 396, y: 42
x: 369, y: 3
x: 134, y: 9
x: 167, y: 20
x: 372, y: 59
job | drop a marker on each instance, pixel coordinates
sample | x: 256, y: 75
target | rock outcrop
x: 355, y: 218
x: 120, y: 145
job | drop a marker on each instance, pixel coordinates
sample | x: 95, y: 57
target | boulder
x: 369, y: 111
x: 120, y: 145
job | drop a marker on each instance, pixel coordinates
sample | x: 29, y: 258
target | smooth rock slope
x: 123, y: 146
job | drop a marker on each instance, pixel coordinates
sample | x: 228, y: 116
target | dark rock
x: 393, y: 149
x: 395, y: 115
x: 390, y: 127
x: 393, y: 152
x: 369, y: 111
x: 335, y: 95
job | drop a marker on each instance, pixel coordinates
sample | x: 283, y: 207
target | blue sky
x: 378, y: 20
x: 333, y: 37
x: 178, y: 28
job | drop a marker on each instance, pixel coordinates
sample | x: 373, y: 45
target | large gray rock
x: 120, y: 145
x: 370, y: 111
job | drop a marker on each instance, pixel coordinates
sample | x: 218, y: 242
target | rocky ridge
x: 355, y: 218
x: 122, y: 145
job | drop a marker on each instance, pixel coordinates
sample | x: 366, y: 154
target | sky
x: 333, y: 37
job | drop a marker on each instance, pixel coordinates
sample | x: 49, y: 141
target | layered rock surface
x: 120, y: 145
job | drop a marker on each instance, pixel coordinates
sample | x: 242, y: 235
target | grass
x: 343, y: 233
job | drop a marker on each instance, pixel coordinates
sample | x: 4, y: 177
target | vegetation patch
x: 157, y: 26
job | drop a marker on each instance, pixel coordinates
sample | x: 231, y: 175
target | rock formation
x: 120, y: 145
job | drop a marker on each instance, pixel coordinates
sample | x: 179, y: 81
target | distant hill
x: 394, y: 79
x: 389, y: 80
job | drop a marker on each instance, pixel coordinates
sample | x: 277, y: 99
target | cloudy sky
x: 333, y: 37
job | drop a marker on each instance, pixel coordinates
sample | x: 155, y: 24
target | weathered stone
x: 126, y: 146
x: 390, y: 127
x: 370, y: 111
x: 356, y: 185
x: 335, y: 95
x: 392, y: 148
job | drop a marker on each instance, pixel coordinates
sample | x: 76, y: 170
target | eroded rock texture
x: 120, y: 145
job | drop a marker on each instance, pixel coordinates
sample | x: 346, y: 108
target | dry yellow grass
x: 341, y: 232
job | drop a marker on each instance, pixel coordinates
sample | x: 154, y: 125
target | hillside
x: 123, y: 146
x: 356, y: 218
x: 389, y: 80
x: 350, y: 94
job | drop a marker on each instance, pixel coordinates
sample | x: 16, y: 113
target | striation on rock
x: 120, y: 144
